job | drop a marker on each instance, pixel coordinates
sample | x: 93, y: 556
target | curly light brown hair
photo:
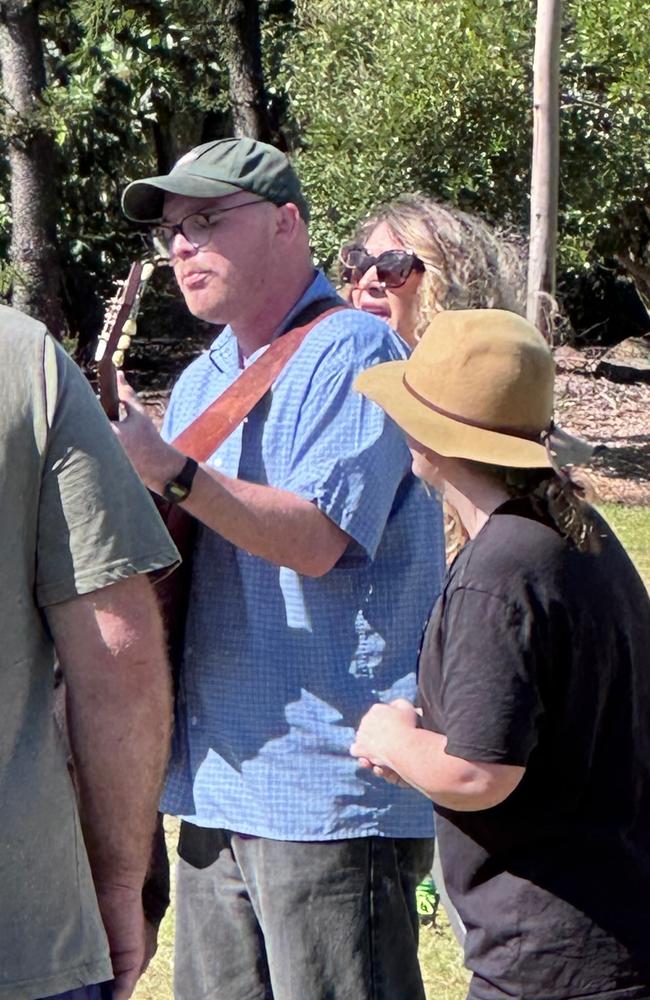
x: 468, y: 265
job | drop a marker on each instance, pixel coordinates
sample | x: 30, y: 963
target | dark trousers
x: 261, y: 919
x: 102, y: 991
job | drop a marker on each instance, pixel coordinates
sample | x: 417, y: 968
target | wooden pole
x: 545, y: 167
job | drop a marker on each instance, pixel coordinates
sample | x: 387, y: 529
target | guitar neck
x: 110, y: 340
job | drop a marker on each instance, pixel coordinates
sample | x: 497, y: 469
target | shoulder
x: 352, y: 329
x: 21, y: 337
x: 15, y: 324
x: 29, y: 349
x: 35, y: 372
x: 511, y: 555
x: 354, y: 339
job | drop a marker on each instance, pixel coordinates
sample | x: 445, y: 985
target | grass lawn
x: 632, y: 525
x: 440, y: 957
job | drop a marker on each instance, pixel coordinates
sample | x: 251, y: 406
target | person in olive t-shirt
x: 78, y: 534
x: 534, y: 737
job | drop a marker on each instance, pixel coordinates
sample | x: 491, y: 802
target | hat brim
x: 383, y: 385
x: 143, y: 201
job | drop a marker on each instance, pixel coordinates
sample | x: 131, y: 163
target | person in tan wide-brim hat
x: 532, y: 736
x: 479, y: 385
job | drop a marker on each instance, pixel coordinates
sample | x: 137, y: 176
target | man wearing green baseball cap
x: 317, y: 560
x: 217, y: 169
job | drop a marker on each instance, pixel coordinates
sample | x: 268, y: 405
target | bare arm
x: 271, y: 523
x: 111, y: 648
x: 389, y: 743
x: 275, y: 524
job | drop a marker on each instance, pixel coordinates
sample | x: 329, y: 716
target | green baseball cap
x: 215, y: 169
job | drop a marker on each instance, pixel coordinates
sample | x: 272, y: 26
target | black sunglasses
x: 393, y: 266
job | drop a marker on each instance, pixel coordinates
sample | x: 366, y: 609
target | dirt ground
x: 614, y: 414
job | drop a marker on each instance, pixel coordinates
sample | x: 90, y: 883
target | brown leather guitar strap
x: 200, y: 440
x: 209, y: 430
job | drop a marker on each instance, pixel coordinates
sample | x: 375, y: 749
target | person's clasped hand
x: 380, y: 731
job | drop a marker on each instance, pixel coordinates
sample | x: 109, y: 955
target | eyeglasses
x: 393, y: 266
x: 196, y: 228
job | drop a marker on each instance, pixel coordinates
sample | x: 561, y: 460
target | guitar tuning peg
x: 147, y: 270
x: 129, y: 328
x: 124, y: 342
x: 118, y: 358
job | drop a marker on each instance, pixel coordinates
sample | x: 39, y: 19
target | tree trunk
x: 545, y: 167
x: 37, y: 280
x: 635, y: 256
x: 243, y: 52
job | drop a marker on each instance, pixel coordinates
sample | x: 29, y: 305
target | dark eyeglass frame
x: 162, y: 235
x: 393, y: 267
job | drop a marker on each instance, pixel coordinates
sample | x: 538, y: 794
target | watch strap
x: 179, y: 488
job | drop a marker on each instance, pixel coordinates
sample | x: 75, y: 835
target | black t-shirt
x: 539, y: 655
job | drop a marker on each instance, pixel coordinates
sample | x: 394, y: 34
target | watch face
x: 175, y: 492
x: 179, y: 489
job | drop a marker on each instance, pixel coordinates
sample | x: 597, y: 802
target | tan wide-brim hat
x: 478, y: 385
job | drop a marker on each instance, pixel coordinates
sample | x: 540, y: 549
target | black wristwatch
x: 179, y: 488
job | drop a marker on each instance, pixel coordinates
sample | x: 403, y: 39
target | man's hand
x: 123, y: 919
x: 155, y: 461
x: 380, y: 731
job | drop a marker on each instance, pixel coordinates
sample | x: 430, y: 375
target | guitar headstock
x: 115, y: 338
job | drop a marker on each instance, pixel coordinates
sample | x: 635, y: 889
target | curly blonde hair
x: 468, y: 265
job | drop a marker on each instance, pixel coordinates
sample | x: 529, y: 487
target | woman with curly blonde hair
x: 414, y: 257
x: 409, y: 259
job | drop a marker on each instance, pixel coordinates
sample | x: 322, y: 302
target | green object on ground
x: 427, y: 900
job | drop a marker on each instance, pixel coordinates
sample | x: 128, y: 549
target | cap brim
x: 383, y: 385
x: 143, y: 201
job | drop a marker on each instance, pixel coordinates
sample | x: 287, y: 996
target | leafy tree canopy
x: 437, y: 96
x: 375, y: 99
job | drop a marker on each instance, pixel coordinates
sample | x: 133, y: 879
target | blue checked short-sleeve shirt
x: 279, y: 668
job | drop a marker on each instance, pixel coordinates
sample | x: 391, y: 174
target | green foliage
x: 396, y: 97
x: 128, y: 86
x: 375, y: 99
x: 605, y: 120
x: 437, y: 96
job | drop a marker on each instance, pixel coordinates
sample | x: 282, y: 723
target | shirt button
x: 194, y: 721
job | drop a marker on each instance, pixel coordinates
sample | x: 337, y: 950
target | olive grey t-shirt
x: 538, y: 655
x: 75, y: 518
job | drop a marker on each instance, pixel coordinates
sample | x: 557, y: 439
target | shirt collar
x: 224, y: 352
